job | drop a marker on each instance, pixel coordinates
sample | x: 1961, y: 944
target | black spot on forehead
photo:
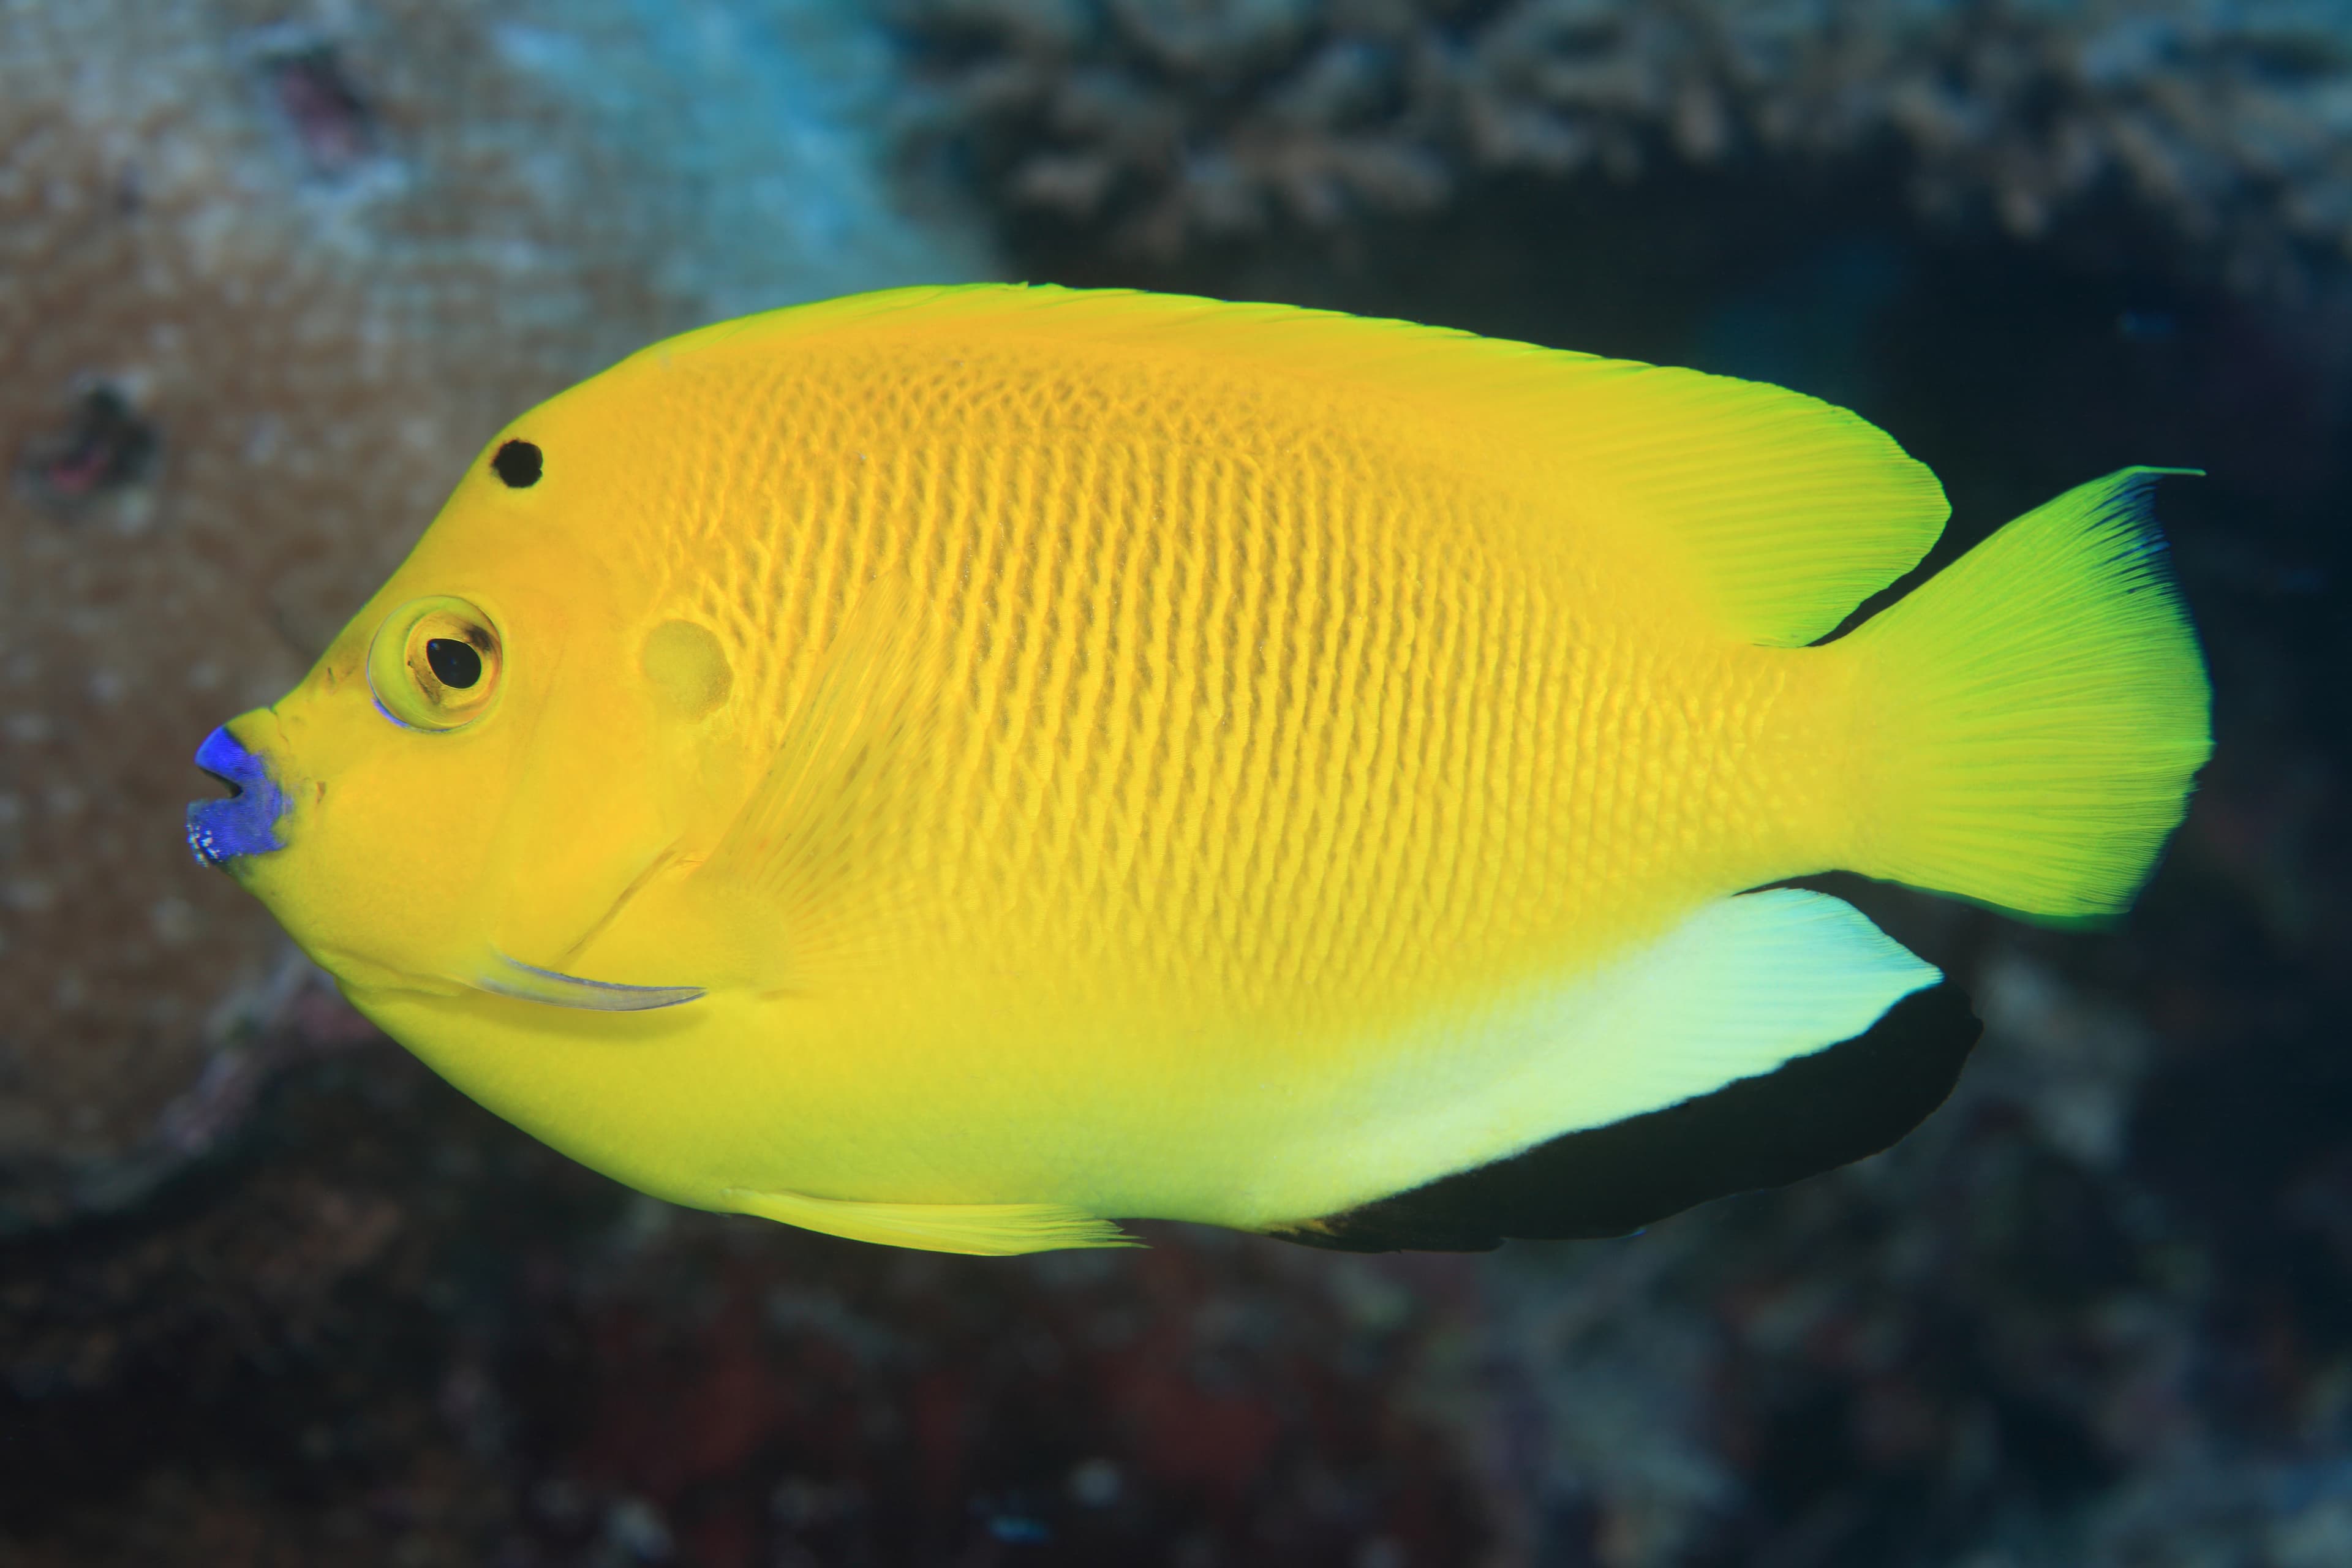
x: 518, y: 463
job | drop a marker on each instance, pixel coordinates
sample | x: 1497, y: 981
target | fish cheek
x: 687, y: 669
x: 384, y: 873
x: 583, y: 817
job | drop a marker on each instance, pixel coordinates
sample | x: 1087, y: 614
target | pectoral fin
x: 815, y: 852
x: 987, y: 1230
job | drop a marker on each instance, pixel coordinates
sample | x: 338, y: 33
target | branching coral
x: 1175, y: 121
x: 266, y: 283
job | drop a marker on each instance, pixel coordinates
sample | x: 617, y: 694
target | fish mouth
x: 246, y: 823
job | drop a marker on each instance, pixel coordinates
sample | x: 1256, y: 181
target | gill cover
x: 550, y: 792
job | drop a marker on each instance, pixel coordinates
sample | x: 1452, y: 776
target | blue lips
x: 247, y: 822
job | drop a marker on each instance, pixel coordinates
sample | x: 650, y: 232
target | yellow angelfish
x: 958, y: 766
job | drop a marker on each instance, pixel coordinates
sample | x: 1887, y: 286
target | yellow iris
x: 434, y: 664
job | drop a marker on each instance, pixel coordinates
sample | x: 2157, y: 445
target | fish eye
x: 434, y: 664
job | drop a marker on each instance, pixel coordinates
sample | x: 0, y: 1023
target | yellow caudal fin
x: 2033, y: 717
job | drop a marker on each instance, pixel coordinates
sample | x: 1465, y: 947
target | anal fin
x: 1737, y: 990
x: 1809, y: 1115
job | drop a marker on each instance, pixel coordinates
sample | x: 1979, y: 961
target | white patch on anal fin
x: 1736, y: 990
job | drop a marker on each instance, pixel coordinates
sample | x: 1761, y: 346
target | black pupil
x: 455, y: 662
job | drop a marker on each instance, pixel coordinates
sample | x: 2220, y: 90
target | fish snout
x: 220, y: 831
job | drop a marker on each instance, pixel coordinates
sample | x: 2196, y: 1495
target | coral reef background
x: 1172, y: 124
x: 267, y: 277
x: 269, y: 1293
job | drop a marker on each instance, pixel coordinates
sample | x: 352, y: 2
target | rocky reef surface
x: 306, y: 1304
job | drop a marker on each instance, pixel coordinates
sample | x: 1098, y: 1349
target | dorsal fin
x: 1782, y: 511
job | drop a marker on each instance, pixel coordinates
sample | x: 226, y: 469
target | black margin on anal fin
x: 1811, y: 1114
